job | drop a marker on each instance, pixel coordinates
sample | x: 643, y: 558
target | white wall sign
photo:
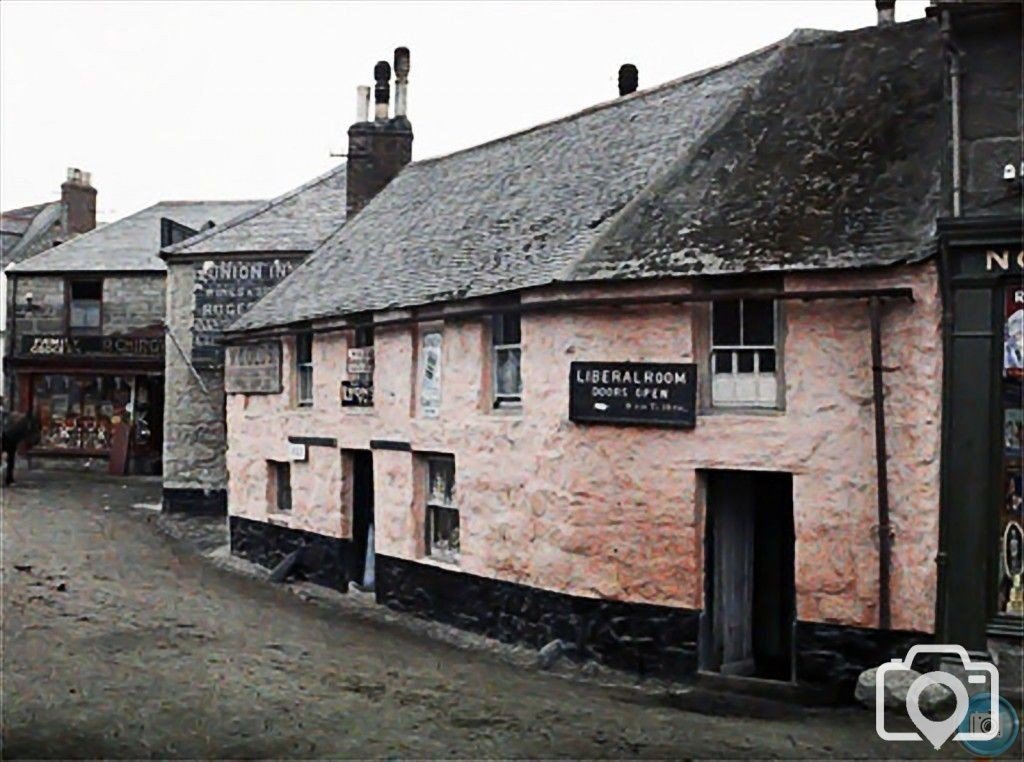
x: 297, y: 451
x: 430, y: 375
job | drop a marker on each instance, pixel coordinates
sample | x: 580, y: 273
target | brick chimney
x: 378, y: 149
x: 886, y: 12
x: 79, y: 200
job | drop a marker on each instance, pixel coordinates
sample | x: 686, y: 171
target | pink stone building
x: 610, y: 381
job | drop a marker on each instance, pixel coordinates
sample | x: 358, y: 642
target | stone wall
x: 617, y: 512
x: 194, y: 434
x: 47, y: 311
x: 133, y: 303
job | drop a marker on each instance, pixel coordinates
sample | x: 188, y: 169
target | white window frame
x: 432, y: 504
x: 745, y: 389
x: 505, y: 399
x: 304, y: 372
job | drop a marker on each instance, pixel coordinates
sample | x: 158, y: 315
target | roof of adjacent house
x: 299, y: 220
x: 817, y: 152
x: 20, y: 228
x: 131, y: 243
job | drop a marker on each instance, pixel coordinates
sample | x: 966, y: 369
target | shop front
x: 94, y: 399
x: 981, y: 558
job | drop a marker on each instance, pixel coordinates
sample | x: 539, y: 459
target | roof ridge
x: 25, y: 208
x: 593, y: 108
x: 265, y: 206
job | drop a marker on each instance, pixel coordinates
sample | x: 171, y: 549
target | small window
x: 506, y: 359
x: 304, y: 368
x: 280, y: 486
x: 743, y: 353
x: 86, y: 306
x: 442, y: 515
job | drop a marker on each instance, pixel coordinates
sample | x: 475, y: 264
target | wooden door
x: 730, y: 498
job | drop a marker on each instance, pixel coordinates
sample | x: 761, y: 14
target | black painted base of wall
x: 651, y: 640
x: 196, y: 502
x: 835, y: 654
x: 324, y: 560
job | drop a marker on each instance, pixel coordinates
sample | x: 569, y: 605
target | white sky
x: 239, y: 100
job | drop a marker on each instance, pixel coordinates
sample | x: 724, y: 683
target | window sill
x: 743, y: 410
x: 279, y: 518
x: 356, y: 410
x: 507, y: 411
x: 441, y: 563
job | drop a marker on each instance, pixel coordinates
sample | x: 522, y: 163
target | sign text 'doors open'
x: 652, y: 394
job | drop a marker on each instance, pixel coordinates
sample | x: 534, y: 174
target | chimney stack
x: 886, y: 12
x: 629, y: 79
x: 378, y: 149
x: 78, y: 198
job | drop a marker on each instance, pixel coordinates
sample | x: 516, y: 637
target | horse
x: 17, y: 428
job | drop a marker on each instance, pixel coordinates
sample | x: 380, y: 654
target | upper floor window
x: 442, y: 515
x: 506, y: 359
x: 85, y: 301
x: 744, y: 339
x: 304, y: 368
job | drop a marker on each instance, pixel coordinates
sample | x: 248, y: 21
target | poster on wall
x: 430, y: 375
x: 357, y: 391
x: 1013, y: 333
x: 1013, y: 432
x: 253, y: 368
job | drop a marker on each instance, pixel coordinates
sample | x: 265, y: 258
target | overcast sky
x: 239, y: 100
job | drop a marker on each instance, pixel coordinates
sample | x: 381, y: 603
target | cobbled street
x: 122, y: 642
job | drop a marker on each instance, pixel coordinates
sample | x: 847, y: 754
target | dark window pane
x: 364, y: 336
x: 304, y: 348
x: 725, y: 323
x: 283, y: 486
x: 745, y: 361
x: 87, y: 289
x: 508, y: 381
x: 441, y: 481
x: 505, y: 328
x: 723, y: 362
x: 758, y: 322
x: 444, y: 531
x: 767, y: 360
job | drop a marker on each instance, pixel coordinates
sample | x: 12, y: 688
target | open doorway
x: 358, y: 471
x: 749, y: 587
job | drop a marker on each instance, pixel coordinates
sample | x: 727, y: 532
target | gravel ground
x: 122, y: 641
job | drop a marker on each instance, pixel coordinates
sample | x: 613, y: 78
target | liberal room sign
x: 642, y: 393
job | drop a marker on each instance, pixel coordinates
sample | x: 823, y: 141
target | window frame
x: 276, y: 497
x: 304, y: 369
x: 712, y: 404
x: 69, y: 302
x: 431, y: 507
x: 499, y: 400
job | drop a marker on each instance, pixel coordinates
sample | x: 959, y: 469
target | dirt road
x: 119, y: 642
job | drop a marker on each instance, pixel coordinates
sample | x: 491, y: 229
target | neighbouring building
x: 87, y: 336
x: 31, y: 229
x: 660, y: 379
x: 214, y: 277
x: 981, y: 554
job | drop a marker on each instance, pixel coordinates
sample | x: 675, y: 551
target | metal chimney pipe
x: 382, y: 90
x: 401, y: 81
x: 363, y: 103
x: 886, y: 12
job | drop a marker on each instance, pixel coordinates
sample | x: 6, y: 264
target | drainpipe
x: 882, y: 470
x: 955, y: 72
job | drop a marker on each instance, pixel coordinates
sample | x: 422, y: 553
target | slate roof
x: 20, y: 228
x: 299, y: 220
x: 131, y: 243
x: 819, y: 151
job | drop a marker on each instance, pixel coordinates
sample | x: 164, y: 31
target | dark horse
x: 17, y: 428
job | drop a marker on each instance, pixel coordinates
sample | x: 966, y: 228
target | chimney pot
x: 401, y: 82
x: 886, y: 12
x: 382, y: 89
x: 363, y: 103
x: 629, y: 79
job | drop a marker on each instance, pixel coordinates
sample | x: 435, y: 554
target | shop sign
x: 297, y: 452
x: 357, y: 391
x: 117, y: 346
x: 253, y: 368
x: 994, y: 261
x: 653, y: 394
x: 224, y: 291
x: 430, y: 375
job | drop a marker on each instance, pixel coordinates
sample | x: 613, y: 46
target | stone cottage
x: 87, y: 337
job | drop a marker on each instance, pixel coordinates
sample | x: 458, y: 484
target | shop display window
x: 79, y: 412
x: 1011, y: 520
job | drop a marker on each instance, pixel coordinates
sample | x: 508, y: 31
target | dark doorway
x: 360, y: 471
x: 749, y: 589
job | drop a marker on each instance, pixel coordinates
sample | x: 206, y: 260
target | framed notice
x: 430, y: 375
x: 1013, y: 333
x: 641, y: 394
x: 253, y: 368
